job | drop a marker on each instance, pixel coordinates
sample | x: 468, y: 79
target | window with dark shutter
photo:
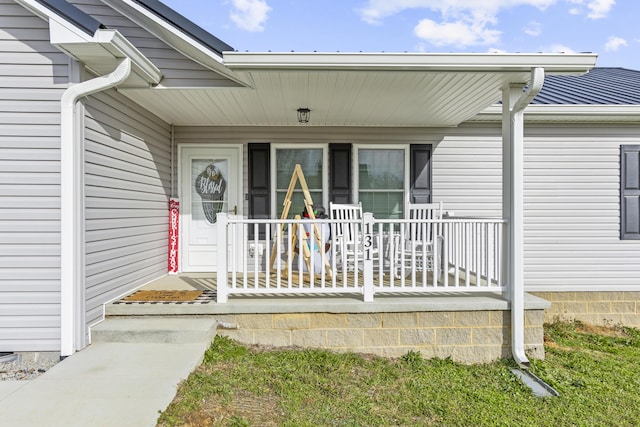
x: 340, y: 173
x: 630, y: 192
x: 420, y: 173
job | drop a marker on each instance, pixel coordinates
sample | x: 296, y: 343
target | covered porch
x: 468, y: 327
x: 449, y: 302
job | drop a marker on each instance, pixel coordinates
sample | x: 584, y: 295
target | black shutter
x: 420, y: 173
x: 340, y: 173
x: 630, y: 192
x: 259, y: 183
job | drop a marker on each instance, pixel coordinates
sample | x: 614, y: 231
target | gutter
x: 72, y: 206
x: 516, y: 208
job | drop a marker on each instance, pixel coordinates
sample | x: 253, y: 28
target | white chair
x: 415, y: 249
x: 346, y: 234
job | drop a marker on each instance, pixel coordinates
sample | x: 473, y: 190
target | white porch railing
x: 467, y: 256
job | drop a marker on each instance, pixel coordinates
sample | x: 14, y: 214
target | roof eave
x: 577, y: 63
x: 588, y: 113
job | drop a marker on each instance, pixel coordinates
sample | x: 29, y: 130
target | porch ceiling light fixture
x: 303, y: 115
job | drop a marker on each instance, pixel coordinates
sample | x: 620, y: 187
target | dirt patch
x: 608, y: 331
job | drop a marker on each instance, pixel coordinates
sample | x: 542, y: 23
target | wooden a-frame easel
x: 305, y: 252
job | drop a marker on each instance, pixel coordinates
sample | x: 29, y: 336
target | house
x: 112, y: 108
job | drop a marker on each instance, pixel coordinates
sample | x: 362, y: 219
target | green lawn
x: 595, y: 370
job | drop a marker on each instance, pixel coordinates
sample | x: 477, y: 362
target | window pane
x: 381, y: 169
x: 383, y: 204
x: 381, y: 182
x: 310, y: 161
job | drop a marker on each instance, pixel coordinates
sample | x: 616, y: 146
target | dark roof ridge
x: 71, y: 13
x: 185, y: 25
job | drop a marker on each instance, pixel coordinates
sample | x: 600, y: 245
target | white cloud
x: 597, y: 8
x: 455, y: 33
x: 615, y: 43
x: 496, y: 50
x: 250, y: 15
x: 456, y: 22
x: 533, y: 29
x: 378, y: 9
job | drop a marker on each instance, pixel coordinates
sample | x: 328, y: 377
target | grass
x: 596, y: 371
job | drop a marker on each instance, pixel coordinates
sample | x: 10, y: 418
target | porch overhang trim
x: 105, y: 49
x: 577, y: 63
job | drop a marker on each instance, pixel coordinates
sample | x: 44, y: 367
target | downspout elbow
x: 71, y: 215
x: 98, y: 84
x: 534, y: 88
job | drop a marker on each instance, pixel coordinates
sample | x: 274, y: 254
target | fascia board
x: 468, y: 62
x: 573, y: 110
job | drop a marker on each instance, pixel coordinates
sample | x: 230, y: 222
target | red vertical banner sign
x: 174, y: 229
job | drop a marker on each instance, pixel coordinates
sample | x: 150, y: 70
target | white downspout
x: 514, y: 101
x: 72, y: 205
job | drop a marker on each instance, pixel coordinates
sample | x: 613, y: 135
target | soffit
x: 420, y: 90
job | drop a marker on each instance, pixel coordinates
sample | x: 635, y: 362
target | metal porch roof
x: 600, y: 86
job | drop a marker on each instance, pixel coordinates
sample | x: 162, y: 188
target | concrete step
x: 156, y: 329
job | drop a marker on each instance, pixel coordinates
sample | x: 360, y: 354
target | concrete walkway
x: 111, y: 382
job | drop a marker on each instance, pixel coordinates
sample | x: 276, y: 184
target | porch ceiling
x: 421, y: 90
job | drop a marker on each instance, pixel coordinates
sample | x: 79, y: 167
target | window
x: 311, y: 160
x: 381, y: 181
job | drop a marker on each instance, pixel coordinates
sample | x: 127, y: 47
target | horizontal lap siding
x: 127, y: 185
x: 467, y: 171
x: 33, y: 76
x: 572, y: 209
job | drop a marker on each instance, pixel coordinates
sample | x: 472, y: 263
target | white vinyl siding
x: 467, y: 171
x: 127, y: 190
x: 33, y: 75
x: 572, y: 210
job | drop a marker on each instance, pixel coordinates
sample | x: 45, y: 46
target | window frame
x: 355, y: 174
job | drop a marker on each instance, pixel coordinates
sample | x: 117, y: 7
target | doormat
x: 162, y: 296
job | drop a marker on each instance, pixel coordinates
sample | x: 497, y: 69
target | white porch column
x: 514, y: 101
x: 367, y: 246
x: 222, y: 284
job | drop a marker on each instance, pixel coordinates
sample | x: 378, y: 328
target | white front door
x: 210, y: 182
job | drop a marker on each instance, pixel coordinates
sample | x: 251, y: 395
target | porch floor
x: 309, y: 303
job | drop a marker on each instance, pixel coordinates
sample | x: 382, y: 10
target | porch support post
x: 367, y: 246
x: 222, y: 287
x: 514, y: 101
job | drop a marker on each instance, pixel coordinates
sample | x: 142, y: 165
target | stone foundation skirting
x: 469, y: 337
x: 597, y: 308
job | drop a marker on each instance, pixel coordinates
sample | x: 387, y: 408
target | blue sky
x: 609, y: 28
